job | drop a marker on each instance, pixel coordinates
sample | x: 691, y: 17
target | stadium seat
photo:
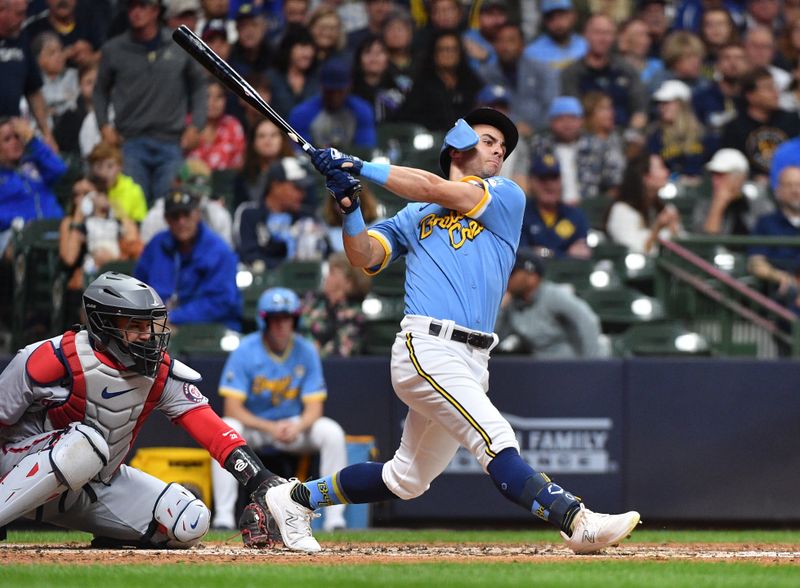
x: 39, y: 282
x: 379, y: 336
x: 582, y: 274
x: 206, y: 338
x: 222, y: 186
x: 621, y: 307
x: 300, y: 276
x: 660, y: 339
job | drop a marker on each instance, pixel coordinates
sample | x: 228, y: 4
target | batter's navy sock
x: 356, y: 484
x: 532, y: 490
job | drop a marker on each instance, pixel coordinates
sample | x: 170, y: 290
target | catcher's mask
x: 463, y: 137
x: 127, y: 319
x: 276, y: 302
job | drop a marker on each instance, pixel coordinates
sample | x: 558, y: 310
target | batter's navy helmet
x: 461, y: 139
x: 277, y: 301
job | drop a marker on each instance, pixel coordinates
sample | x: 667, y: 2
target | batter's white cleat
x: 592, y: 531
x: 294, y: 520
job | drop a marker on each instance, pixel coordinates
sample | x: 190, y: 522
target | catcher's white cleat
x: 593, y: 531
x: 294, y: 520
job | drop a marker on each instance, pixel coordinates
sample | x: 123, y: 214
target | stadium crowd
x: 625, y: 108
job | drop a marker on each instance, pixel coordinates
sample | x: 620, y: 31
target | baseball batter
x: 459, y: 236
x: 71, y: 407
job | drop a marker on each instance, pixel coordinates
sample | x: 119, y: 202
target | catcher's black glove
x: 259, y: 530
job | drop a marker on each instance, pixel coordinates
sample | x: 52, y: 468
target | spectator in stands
x: 787, y: 153
x: 443, y: 15
x: 335, y: 117
x: 76, y: 130
x: 717, y: 103
x: 126, y: 196
x: 327, y: 30
x: 373, y: 81
x: 182, y: 12
x: 194, y: 177
x: 252, y: 52
x: 332, y: 215
x: 222, y: 139
x: 717, y: 31
x: 215, y: 35
x: 639, y: 217
x: 599, y: 119
x: 791, y: 11
x: 763, y: 13
x: 544, y: 319
x: 398, y: 35
x: 268, y: 232
x: 789, y: 43
x: 376, y: 10
x: 216, y: 10
x: 80, y: 37
x: 731, y: 210
x: 690, y: 13
x: 780, y: 265
x: 531, y: 84
x: 558, y: 45
x: 479, y: 42
x: 760, y: 48
x: 60, y: 83
x: 18, y: 69
x: 790, y: 99
x: 654, y: 14
x: 551, y: 227
x: 28, y: 171
x: 683, y: 54
x: 191, y: 268
x: 633, y: 45
x: 600, y: 70
x: 760, y: 126
x: 266, y: 145
x: 590, y: 167
x: 332, y: 316
x: 90, y: 235
x: 150, y: 109
x: 292, y: 79
x: 274, y: 391
x: 676, y: 134
x: 445, y: 86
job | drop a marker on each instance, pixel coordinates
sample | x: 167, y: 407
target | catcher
x: 71, y: 407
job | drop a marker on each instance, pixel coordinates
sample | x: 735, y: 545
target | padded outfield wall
x: 683, y: 440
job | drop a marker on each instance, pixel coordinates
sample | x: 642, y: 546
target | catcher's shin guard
x: 181, y: 517
x: 75, y: 458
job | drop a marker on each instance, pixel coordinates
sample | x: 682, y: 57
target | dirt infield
x: 349, y: 554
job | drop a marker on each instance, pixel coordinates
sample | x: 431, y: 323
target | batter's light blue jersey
x: 273, y: 387
x: 457, y: 265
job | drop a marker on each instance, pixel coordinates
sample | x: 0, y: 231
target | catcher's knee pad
x: 184, y: 517
x: 407, y: 484
x: 78, y: 455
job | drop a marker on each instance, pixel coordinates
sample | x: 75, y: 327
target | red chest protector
x: 74, y: 408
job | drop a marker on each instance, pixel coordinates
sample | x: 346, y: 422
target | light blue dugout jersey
x: 457, y: 265
x: 273, y: 387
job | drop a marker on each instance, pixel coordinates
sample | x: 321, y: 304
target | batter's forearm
x: 362, y: 250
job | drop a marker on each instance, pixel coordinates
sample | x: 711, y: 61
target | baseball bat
x: 232, y: 80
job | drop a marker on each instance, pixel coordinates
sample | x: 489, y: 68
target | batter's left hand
x: 326, y: 160
x: 344, y: 188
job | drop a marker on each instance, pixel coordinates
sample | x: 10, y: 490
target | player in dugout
x: 459, y: 236
x: 71, y: 408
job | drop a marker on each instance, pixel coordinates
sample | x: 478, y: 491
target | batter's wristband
x: 377, y: 172
x: 353, y: 223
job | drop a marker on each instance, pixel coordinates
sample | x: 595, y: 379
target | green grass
x: 569, y: 575
x: 277, y: 572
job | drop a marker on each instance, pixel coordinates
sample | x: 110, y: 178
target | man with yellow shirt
x: 126, y: 196
x: 274, y: 392
x: 550, y: 226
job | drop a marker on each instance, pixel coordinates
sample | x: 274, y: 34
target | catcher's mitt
x: 257, y: 526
